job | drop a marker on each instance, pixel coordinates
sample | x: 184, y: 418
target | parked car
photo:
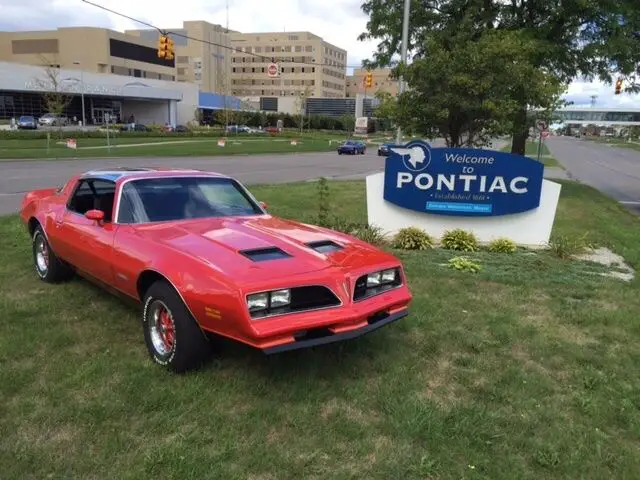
x: 204, y: 258
x: 383, y: 150
x: 137, y: 127
x: 352, y: 147
x: 27, y: 122
x: 237, y: 129
x: 50, y: 119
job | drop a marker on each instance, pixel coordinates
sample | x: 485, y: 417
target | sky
x: 337, y: 21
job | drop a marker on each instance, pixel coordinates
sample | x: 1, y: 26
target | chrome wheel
x: 42, y: 255
x: 162, y: 328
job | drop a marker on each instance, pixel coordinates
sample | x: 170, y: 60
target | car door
x: 87, y: 244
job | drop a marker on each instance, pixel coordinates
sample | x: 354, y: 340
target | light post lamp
x: 84, y: 123
x: 403, y: 55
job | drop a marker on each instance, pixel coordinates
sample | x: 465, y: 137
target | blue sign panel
x: 461, y: 181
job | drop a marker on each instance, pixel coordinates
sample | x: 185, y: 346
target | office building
x: 382, y: 82
x: 93, y: 50
x: 307, y: 65
x: 205, y: 63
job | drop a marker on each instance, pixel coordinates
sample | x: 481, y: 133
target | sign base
x: 531, y: 228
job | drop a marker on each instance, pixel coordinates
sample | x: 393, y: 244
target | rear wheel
x: 48, y: 266
x: 172, y: 335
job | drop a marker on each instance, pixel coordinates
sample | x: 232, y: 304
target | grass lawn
x: 165, y: 146
x: 529, y: 369
x: 531, y: 150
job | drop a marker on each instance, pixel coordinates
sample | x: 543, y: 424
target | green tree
x: 564, y: 40
x: 348, y: 123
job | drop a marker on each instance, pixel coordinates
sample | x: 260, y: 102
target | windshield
x: 26, y: 119
x: 181, y: 198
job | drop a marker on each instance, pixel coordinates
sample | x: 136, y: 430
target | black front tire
x: 49, y: 267
x: 190, y: 347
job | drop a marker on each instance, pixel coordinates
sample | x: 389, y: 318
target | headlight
x: 280, y: 298
x: 258, y: 301
x: 388, y: 276
x: 373, y: 279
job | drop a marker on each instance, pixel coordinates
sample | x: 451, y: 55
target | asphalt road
x: 614, y: 171
x: 20, y: 176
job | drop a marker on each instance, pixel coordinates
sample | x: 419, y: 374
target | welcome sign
x: 460, y: 181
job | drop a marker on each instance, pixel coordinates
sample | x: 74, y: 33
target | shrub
x: 371, y: 234
x: 564, y: 246
x: 464, y: 264
x: 502, y: 245
x: 459, y: 239
x: 412, y: 238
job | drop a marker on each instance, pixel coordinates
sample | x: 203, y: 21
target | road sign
x: 272, y: 70
x: 541, y: 124
x: 545, y: 133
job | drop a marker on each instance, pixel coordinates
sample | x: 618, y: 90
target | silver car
x: 51, y: 119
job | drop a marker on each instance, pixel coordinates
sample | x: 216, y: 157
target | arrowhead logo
x: 418, y: 157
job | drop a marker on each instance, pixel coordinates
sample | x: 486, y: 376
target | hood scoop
x: 264, y: 254
x: 324, y: 246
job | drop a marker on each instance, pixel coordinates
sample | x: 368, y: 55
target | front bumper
x: 326, y: 336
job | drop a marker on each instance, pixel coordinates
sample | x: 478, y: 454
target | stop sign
x: 272, y: 70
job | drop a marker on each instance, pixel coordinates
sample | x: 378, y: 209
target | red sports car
x: 203, y: 257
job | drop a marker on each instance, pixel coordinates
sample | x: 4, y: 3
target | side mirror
x: 97, y: 215
x: 263, y: 205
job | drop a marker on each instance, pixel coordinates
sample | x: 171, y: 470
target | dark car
x: 383, y: 150
x: 351, y: 147
x: 27, y: 122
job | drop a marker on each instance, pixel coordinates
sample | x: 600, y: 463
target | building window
x: 253, y: 70
x: 302, y: 69
x: 298, y: 48
x: 34, y: 46
x: 308, y: 48
x: 313, y: 69
x: 139, y: 53
x: 233, y: 69
x: 182, y: 59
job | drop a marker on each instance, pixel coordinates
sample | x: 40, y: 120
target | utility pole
x: 228, y: 75
x: 403, y: 56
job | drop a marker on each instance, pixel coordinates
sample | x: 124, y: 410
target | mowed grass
x: 165, y: 146
x: 529, y: 369
x: 531, y: 150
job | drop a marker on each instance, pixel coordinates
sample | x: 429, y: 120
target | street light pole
x: 84, y: 123
x: 403, y: 56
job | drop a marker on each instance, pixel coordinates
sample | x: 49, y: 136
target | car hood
x: 223, y: 243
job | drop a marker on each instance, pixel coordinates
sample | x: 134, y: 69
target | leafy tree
x: 562, y: 41
x: 348, y: 123
x: 54, y: 97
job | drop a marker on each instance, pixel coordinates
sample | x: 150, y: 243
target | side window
x: 93, y: 194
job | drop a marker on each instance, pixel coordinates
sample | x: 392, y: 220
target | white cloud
x: 337, y: 21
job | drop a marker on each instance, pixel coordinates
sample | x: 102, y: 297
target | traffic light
x: 170, y: 49
x: 166, y: 47
x: 618, y: 86
x: 368, y: 80
x: 163, y: 46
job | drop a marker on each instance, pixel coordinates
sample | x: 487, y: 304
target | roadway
x: 615, y: 171
x: 20, y: 176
